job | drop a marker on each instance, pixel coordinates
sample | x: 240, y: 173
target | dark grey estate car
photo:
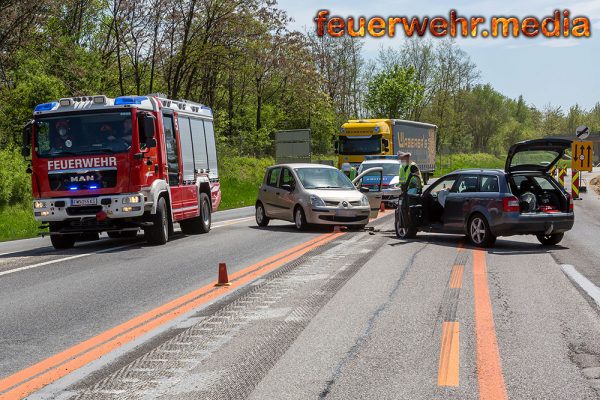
x: 485, y: 204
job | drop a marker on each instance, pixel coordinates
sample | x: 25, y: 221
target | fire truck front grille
x: 84, y: 210
x: 96, y: 179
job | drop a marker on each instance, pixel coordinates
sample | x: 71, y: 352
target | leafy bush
x: 15, y: 183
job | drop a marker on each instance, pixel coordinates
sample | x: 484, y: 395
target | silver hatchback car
x: 315, y: 194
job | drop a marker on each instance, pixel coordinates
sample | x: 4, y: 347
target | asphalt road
x: 348, y: 315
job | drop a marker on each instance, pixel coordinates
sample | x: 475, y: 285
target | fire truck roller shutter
x: 200, y: 153
x: 187, y: 152
x: 211, y: 149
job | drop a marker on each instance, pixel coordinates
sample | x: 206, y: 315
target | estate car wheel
x: 479, y: 231
x: 158, y: 233
x: 261, y: 216
x: 404, y: 229
x: 300, y: 219
x: 550, y: 240
x: 201, y: 223
x: 61, y: 242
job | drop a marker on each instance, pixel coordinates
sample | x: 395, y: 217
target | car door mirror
x: 26, y: 139
x: 146, y: 129
x: 364, y: 189
x: 287, y: 188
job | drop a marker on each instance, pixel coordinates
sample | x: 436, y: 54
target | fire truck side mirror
x: 26, y: 140
x: 146, y: 128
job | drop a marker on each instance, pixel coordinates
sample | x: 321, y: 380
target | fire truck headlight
x: 132, y: 200
x: 39, y: 204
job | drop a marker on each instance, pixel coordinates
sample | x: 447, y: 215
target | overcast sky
x: 556, y: 71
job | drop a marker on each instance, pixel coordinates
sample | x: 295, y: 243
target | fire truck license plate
x: 84, y: 202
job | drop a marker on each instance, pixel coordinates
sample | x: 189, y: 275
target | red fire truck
x: 120, y: 165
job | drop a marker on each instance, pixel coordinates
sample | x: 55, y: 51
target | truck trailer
x: 372, y: 137
x: 119, y: 165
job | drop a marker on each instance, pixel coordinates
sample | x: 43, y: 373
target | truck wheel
x: 550, y: 240
x: 61, y: 242
x: 479, y: 231
x: 261, y: 216
x: 201, y: 223
x: 158, y: 233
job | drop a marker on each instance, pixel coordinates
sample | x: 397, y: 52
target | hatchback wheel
x: 300, y: 219
x: 261, y: 216
x: 550, y: 240
x: 479, y: 231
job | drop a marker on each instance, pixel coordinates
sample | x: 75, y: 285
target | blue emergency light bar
x: 46, y: 106
x: 129, y: 100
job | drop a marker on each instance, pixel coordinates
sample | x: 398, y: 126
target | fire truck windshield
x: 360, y: 145
x: 91, y: 133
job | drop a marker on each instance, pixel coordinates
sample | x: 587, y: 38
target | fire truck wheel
x: 158, y: 233
x: 63, y: 241
x: 201, y: 223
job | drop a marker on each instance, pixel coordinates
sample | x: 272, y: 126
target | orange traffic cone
x: 223, y: 278
x: 382, y: 207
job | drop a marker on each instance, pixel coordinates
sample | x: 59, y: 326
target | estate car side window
x: 446, y: 184
x: 489, y: 184
x: 467, y: 184
x: 287, y: 178
x: 273, y: 177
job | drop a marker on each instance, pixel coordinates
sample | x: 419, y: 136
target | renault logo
x: 344, y: 204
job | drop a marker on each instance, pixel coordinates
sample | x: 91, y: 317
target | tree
x: 392, y: 93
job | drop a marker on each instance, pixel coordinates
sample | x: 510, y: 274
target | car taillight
x: 570, y: 202
x: 510, y: 204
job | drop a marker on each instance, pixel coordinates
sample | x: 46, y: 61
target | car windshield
x: 360, y: 145
x: 388, y: 168
x: 92, y: 133
x: 323, y: 178
x: 534, y: 157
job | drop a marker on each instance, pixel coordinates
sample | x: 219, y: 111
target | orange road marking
x: 489, y: 365
x: 456, y: 276
x: 55, y: 367
x: 448, y: 367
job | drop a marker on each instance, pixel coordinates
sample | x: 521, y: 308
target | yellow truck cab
x: 385, y: 137
x: 361, y: 137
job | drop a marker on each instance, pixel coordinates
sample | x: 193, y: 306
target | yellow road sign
x: 582, y: 153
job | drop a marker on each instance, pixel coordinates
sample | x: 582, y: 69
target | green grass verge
x: 240, y: 180
x: 17, y: 222
x: 449, y: 163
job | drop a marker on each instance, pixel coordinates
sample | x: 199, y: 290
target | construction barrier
x: 561, y: 175
x: 575, y: 184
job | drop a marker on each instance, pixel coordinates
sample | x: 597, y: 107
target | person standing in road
x: 406, y: 167
x: 349, y: 171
